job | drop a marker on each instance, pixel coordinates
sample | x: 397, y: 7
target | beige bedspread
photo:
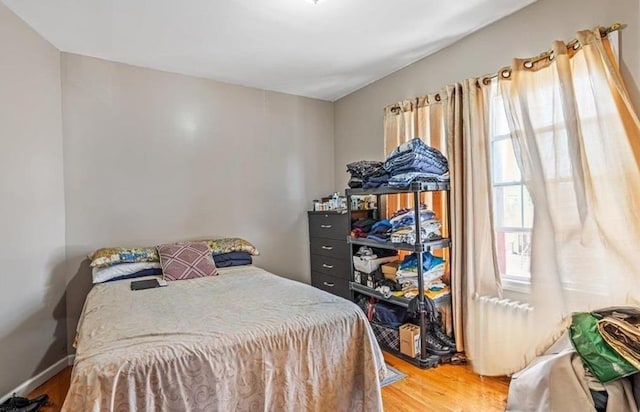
x: 246, y: 340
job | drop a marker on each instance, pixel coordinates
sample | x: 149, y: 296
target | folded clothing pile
x: 118, y: 263
x: 608, y: 341
x: 380, y: 231
x: 403, y: 227
x: 414, y: 161
x: 378, y: 178
x: 433, y: 269
x: 229, y: 259
x: 620, y: 328
x: 361, y: 170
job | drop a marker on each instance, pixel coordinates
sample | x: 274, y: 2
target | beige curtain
x: 479, y: 275
x: 431, y: 118
x: 576, y: 138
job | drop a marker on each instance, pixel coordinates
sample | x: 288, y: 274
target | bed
x: 245, y: 340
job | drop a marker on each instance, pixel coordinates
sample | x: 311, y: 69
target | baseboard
x: 30, y: 384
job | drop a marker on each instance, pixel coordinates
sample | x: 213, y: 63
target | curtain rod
x: 573, y: 44
x: 506, y: 71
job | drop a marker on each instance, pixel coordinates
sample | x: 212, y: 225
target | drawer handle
x: 326, y: 226
x: 327, y: 247
x: 324, y: 265
x: 329, y: 284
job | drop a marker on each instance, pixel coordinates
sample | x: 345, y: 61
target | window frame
x: 513, y: 282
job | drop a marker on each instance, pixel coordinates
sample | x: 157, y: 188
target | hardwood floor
x: 56, y: 388
x: 445, y: 388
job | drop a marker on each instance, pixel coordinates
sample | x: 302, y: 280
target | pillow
x: 231, y: 244
x: 186, y: 261
x: 142, y: 273
x: 115, y: 255
x: 224, y: 260
x: 126, y: 269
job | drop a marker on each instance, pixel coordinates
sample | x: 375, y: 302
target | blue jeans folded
x: 403, y: 180
x: 417, y: 150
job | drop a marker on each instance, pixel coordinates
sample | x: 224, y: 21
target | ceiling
x: 324, y: 50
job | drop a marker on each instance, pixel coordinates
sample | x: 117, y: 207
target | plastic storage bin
x: 370, y: 265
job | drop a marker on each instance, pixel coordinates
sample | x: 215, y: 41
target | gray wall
x: 32, y: 245
x: 358, y: 116
x: 154, y: 157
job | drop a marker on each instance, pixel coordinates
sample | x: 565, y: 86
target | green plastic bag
x: 600, y: 358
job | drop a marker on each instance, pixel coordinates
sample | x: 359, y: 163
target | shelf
x: 434, y: 244
x: 430, y: 362
x: 441, y: 301
x: 357, y: 287
x: 414, y: 187
x: 404, y: 302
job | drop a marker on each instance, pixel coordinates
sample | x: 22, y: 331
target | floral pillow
x: 186, y: 261
x: 115, y: 255
x: 231, y: 244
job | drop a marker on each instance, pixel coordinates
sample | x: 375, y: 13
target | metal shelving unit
x: 400, y: 301
x: 424, y: 360
x: 424, y: 247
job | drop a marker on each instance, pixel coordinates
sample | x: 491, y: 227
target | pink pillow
x: 186, y: 261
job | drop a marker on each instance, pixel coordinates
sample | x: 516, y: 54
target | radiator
x: 502, y: 336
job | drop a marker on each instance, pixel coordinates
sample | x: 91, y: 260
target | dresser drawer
x: 339, y: 287
x: 329, y: 247
x: 329, y: 225
x: 330, y: 266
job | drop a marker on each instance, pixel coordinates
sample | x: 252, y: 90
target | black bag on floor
x: 20, y: 404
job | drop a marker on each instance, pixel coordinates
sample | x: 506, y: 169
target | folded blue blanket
x: 224, y: 260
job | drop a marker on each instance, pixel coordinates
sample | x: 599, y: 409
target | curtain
x: 431, y: 119
x: 479, y: 276
x: 576, y: 139
x: 421, y: 117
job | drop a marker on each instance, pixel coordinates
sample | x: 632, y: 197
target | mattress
x: 245, y: 340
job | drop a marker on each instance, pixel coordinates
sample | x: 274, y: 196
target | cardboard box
x: 410, y: 339
x: 389, y: 270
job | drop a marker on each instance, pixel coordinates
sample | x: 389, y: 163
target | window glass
x: 508, y: 206
x: 505, y: 168
x: 512, y: 205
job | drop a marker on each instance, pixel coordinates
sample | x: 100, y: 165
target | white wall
x: 32, y: 245
x: 528, y: 32
x: 154, y: 157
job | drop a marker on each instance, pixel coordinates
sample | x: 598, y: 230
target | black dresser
x: 330, y: 267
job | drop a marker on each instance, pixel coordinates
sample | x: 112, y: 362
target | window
x: 512, y: 205
x: 559, y: 165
